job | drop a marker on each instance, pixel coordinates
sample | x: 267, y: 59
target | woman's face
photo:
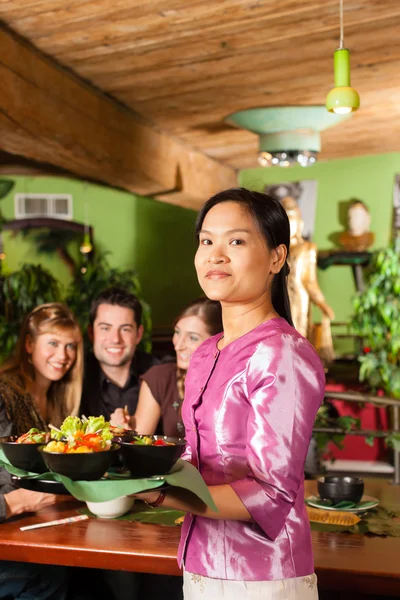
x: 233, y: 262
x: 53, y: 353
x: 189, y: 333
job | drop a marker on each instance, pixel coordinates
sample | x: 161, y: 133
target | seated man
x: 112, y: 372
x: 111, y: 381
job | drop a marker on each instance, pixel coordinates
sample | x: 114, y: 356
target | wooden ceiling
x: 184, y: 65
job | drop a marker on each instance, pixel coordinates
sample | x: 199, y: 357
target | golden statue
x: 303, y: 286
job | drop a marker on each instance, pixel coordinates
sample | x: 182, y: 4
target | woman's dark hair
x: 273, y: 223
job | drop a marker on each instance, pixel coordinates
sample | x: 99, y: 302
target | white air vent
x: 55, y: 206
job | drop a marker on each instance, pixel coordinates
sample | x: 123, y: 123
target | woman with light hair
x: 40, y: 384
x: 162, y: 387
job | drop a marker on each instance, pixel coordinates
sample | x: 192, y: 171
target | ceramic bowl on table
x: 23, y: 456
x: 112, y: 508
x: 147, y: 460
x: 87, y: 466
x: 341, y: 489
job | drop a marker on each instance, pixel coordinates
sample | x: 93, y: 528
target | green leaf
x: 338, y: 440
x: 348, y: 423
x: 393, y: 440
x: 5, y: 187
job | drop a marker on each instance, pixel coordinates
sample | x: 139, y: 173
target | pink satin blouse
x: 249, y: 410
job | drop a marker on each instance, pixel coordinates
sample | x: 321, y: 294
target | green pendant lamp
x: 86, y: 246
x: 342, y: 99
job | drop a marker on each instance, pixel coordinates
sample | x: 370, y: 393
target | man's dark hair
x: 117, y: 297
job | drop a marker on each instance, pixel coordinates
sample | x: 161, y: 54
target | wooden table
x: 342, y: 561
x: 360, y: 563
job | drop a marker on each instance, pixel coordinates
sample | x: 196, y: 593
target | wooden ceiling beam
x: 149, y: 55
x: 49, y: 115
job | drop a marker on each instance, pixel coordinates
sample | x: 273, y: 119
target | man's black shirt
x: 101, y: 397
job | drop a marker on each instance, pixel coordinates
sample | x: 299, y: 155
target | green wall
x: 370, y: 179
x: 155, y: 238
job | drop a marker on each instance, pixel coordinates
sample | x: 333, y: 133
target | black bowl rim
x: 5, y: 440
x: 177, y: 441
x: 356, y: 480
x: 42, y: 451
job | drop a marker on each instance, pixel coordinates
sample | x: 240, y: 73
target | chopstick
x: 57, y: 522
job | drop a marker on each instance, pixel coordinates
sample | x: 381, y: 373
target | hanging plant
x: 54, y: 241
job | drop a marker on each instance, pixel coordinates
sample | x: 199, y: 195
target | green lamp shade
x: 86, y: 246
x: 342, y: 99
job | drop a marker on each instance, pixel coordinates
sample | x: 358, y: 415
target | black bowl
x: 127, y: 436
x: 47, y: 486
x: 340, y: 489
x: 87, y: 466
x: 23, y: 456
x: 146, y: 461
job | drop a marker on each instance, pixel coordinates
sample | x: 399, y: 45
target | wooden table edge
x: 162, y: 564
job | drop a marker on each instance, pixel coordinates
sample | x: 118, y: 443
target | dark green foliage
x: 5, y: 187
x: 377, y: 320
x: 323, y: 419
x: 48, y: 241
x: 20, y: 292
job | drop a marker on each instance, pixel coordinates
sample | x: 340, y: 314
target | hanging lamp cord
x: 341, y: 42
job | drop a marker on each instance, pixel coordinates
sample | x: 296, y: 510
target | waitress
x: 251, y: 397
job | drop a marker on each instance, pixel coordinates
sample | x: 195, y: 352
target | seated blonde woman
x: 162, y: 389
x: 41, y: 384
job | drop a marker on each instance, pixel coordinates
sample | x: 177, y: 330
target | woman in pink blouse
x: 251, y: 397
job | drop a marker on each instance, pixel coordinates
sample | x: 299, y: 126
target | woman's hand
x: 121, y: 418
x: 21, y: 501
x: 148, y: 497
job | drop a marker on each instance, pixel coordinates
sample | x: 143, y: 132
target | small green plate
x: 366, y: 503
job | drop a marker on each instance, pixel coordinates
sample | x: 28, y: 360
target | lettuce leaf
x: 99, y: 425
x: 72, y: 425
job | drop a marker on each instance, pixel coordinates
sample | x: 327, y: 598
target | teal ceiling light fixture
x: 342, y: 99
x: 288, y: 135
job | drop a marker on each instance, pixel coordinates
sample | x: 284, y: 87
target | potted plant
x: 376, y: 320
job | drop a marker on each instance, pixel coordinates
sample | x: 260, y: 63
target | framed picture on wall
x: 305, y: 193
x: 396, y: 205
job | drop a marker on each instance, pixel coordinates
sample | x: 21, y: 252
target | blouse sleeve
x: 283, y: 401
